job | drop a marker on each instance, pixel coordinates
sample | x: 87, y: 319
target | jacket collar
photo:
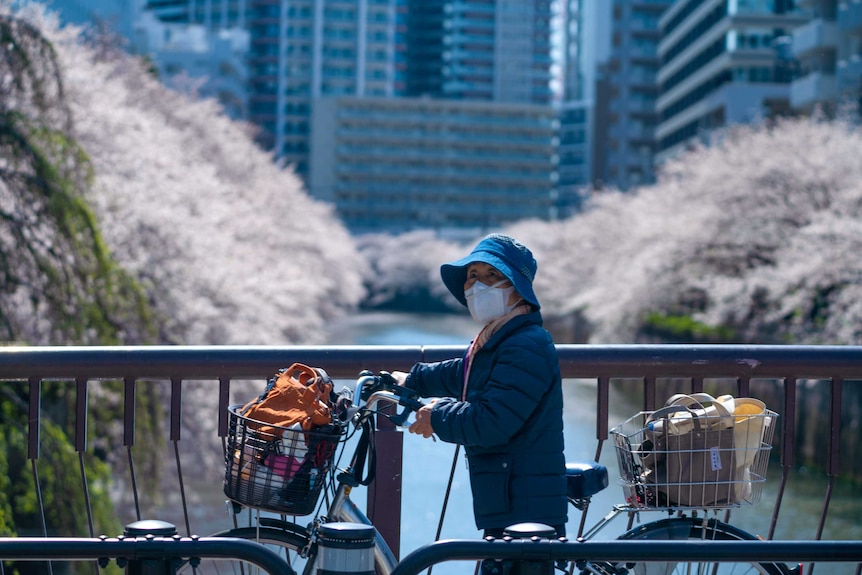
x: 513, y: 325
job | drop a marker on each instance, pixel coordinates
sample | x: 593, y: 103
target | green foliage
x: 58, y: 469
x: 52, y: 252
x: 683, y: 329
x: 59, y: 284
x: 92, y: 300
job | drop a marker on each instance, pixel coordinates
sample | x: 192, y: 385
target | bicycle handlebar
x: 372, y: 388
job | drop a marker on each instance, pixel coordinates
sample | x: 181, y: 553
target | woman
x: 503, y: 400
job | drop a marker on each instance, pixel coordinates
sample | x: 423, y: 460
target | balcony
x: 638, y: 133
x: 642, y: 77
x: 849, y: 74
x: 850, y: 16
x: 817, y: 35
x: 815, y: 88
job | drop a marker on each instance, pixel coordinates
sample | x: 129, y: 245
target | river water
x: 427, y: 463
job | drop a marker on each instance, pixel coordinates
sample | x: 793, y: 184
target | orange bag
x: 296, y: 394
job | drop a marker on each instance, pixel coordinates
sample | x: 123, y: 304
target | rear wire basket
x: 276, y: 468
x: 713, y: 467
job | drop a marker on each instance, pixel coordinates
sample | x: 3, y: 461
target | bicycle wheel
x: 687, y: 528
x: 286, y: 544
x: 290, y: 542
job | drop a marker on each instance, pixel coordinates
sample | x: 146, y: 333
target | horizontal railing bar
x: 635, y: 550
x: 645, y: 363
x: 197, y: 362
x: 751, y: 361
x: 141, y: 548
x: 587, y: 361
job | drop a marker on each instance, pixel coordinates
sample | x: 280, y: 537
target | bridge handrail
x: 625, y: 551
x: 125, y: 549
x: 646, y: 363
x: 587, y: 361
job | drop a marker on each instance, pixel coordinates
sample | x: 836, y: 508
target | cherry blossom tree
x: 225, y: 242
x: 125, y: 206
x: 59, y: 281
x: 405, y: 267
x: 751, y: 239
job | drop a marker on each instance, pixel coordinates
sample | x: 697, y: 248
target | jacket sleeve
x: 520, y: 377
x: 439, y: 379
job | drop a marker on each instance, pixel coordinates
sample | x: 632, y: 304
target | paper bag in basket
x: 750, y: 424
x: 691, y: 460
x: 720, y: 455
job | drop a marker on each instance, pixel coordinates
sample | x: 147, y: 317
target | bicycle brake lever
x: 400, y: 418
x: 407, y: 397
x: 411, y: 402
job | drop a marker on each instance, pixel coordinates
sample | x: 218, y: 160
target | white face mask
x: 487, y: 303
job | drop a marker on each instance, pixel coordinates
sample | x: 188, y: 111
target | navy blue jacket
x: 511, y: 423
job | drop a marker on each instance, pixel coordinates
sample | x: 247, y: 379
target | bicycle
x: 298, y: 544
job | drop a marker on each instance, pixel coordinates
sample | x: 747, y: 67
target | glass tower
x: 305, y: 49
x: 480, y: 50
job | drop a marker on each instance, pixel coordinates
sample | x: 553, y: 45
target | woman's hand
x: 422, y: 425
x: 399, y: 376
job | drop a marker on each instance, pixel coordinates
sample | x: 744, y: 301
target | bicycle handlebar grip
x: 407, y: 397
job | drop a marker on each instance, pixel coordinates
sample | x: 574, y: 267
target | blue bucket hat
x: 509, y: 256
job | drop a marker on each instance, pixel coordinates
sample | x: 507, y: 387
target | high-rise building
x: 452, y: 49
x: 827, y: 56
x: 212, y: 14
x: 306, y: 49
x: 480, y: 50
x: 720, y: 65
x: 399, y: 164
x: 582, y: 28
x: 458, y: 133
x: 624, y: 143
x: 117, y: 16
x: 849, y: 65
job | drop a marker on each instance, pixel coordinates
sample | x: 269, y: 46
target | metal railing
x: 542, y: 553
x: 689, y: 366
x: 156, y: 555
x: 142, y: 555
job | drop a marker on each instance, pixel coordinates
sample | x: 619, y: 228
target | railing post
x: 524, y: 565
x: 149, y: 530
x: 384, y: 494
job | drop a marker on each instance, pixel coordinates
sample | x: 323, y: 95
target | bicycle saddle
x: 585, y: 478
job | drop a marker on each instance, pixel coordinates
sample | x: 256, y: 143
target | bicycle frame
x: 342, y: 508
x: 603, y: 522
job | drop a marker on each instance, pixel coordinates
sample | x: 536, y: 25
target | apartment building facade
x: 400, y: 164
x: 583, y: 28
x: 480, y: 50
x: 461, y: 136
x: 827, y: 54
x: 307, y: 49
x: 720, y: 64
x: 213, y: 14
x: 627, y: 87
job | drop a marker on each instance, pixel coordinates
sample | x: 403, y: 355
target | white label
x: 715, y: 458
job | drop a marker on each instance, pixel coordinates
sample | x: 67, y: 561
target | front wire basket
x: 276, y: 468
x: 710, y: 463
